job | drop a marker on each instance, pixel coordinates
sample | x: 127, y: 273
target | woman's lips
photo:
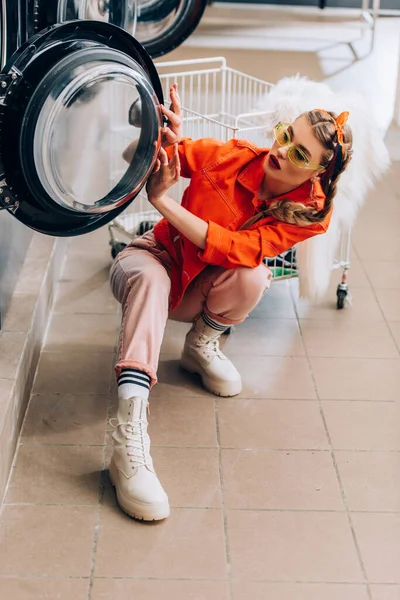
x: 273, y: 162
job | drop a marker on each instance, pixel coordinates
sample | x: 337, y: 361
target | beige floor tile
x: 292, y: 546
x: 357, y: 378
x: 340, y: 339
x: 188, y: 545
x: 19, y: 313
x: 276, y: 304
x: 56, y: 475
x: 259, y: 479
x: 151, y: 589
x: 384, y: 275
x: 264, y: 337
x: 378, y: 537
x: 93, y: 269
x: 28, y: 588
x: 6, y: 386
x: 278, y: 424
x: 371, y: 480
x: 385, y: 592
x: 65, y: 419
x: 81, y: 332
x: 94, y: 297
x: 364, y: 308
x: 394, y: 327
x: 11, y: 346
x: 174, y: 338
x: 386, y: 244
x: 173, y: 381
x: 263, y: 377
x: 93, y: 243
x: 46, y: 540
x: 389, y: 301
x: 70, y: 372
x: 180, y: 421
x: 385, y: 190
x: 190, y: 476
x: 363, y: 425
x: 298, y: 591
x: 275, y: 377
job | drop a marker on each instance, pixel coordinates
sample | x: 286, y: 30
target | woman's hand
x: 172, y: 132
x: 164, y: 176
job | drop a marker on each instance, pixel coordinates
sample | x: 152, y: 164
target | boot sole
x: 218, y: 388
x: 137, y: 510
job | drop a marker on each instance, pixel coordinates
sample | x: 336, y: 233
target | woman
x: 203, y: 263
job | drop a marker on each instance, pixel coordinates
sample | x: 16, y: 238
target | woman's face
x: 279, y: 169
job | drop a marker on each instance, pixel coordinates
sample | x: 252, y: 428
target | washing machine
x: 160, y: 25
x: 66, y: 97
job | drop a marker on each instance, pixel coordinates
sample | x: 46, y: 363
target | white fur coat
x: 294, y: 95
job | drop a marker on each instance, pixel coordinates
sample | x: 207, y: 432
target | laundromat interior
x: 289, y: 489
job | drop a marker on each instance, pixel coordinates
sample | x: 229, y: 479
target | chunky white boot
x: 201, y: 354
x: 139, y: 492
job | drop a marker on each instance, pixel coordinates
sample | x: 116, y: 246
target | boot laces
x: 137, y: 439
x: 209, y: 346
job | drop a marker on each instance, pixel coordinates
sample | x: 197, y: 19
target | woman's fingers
x: 174, y: 116
x: 163, y: 156
x: 168, y: 135
x: 177, y: 163
x: 157, y: 165
x: 174, y: 92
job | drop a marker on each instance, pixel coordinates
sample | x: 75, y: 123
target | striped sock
x: 133, y: 382
x: 214, y: 324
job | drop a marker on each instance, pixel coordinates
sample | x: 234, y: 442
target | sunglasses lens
x: 297, y: 157
x: 282, y: 134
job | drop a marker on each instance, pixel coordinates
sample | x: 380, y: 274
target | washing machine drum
x: 65, y: 121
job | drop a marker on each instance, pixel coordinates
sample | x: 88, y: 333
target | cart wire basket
x: 219, y: 99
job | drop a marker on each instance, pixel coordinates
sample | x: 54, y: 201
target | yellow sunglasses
x: 295, y: 154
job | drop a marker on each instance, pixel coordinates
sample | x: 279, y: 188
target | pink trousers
x: 140, y: 281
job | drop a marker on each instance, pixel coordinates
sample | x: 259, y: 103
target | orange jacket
x: 225, y: 179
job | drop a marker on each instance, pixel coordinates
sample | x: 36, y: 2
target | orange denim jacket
x: 223, y: 191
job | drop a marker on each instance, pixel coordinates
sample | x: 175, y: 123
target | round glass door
x: 70, y: 106
x: 83, y: 128
x: 162, y: 25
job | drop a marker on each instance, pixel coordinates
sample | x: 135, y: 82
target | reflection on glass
x: 118, y: 12
x: 82, y: 133
x: 155, y: 17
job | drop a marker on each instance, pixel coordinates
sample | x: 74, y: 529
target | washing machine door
x: 66, y: 100
x: 162, y: 25
x: 43, y: 13
x: 10, y: 32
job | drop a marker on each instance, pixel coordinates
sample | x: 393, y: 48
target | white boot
x: 201, y: 354
x: 139, y: 492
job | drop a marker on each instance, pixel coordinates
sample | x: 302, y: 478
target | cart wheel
x: 229, y: 330
x: 116, y: 248
x: 341, y: 297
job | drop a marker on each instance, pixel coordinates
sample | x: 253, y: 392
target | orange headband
x: 339, y: 123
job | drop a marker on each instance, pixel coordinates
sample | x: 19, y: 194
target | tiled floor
x: 290, y: 491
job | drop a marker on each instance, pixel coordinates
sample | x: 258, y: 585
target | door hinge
x: 7, y: 201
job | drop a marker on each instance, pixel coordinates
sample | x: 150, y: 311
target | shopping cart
x: 219, y: 99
